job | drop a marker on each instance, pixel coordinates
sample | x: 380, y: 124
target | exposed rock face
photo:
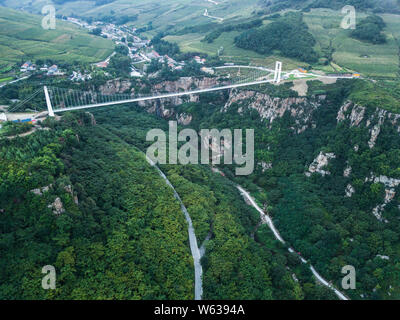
x: 265, y: 166
x: 383, y: 257
x: 116, y: 86
x: 350, y: 190
x: 184, y: 119
x: 387, y: 181
x: 70, y: 190
x: 92, y: 118
x: 356, y: 115
x: 271, y: 108
x: 347, y: 172
x: 57, y: 206
x: 319, y: 163
x: 166, y: 107
x: 390, y: 193
x: 41, y: 191
x: 185, y: 84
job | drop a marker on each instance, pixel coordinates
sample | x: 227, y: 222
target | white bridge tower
x: 278, y: 72
x: 48, y: 102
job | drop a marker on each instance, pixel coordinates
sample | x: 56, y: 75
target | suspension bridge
x: 227, y: 77
x: 60, y: 100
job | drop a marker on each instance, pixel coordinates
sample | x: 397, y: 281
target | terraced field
x: 23, y: 38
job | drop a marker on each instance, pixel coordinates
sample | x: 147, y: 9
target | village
x: 139, y: 50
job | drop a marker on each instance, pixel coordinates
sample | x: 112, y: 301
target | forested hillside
x: 101, y: 215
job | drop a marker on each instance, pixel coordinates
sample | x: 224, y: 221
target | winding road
x: 198, y: 270
x: 266, y: 219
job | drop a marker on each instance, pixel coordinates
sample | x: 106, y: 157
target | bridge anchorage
x: 62, y: 99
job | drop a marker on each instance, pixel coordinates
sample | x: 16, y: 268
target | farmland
x: 23, y: 38
x: 369, y: 59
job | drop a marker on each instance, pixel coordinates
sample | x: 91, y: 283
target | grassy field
x: 351, y: 54
x: 23, y: 38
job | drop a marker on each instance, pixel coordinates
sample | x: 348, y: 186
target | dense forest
x: 288, y: 34
x: 370, y: 29
x: 81, y: 199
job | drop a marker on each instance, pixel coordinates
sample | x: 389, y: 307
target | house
x: 32, y: 67
x: 25, y: 67
x: 144, y: 57
x: 135, y: 73
x: 103, y: 64
x: 208, y: 70
x: 52, y: 70
x: 199, y: 60
x: 170, y: 60
x: 153, y: 55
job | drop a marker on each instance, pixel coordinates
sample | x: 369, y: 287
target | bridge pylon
x: 48, y: 102
x: 278, y: 72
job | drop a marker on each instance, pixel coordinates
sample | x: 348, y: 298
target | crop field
x: 23, y: 38
x: 351, y: 54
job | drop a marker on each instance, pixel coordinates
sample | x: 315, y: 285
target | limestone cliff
x: 357, y: 116
x: 270, y: 108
